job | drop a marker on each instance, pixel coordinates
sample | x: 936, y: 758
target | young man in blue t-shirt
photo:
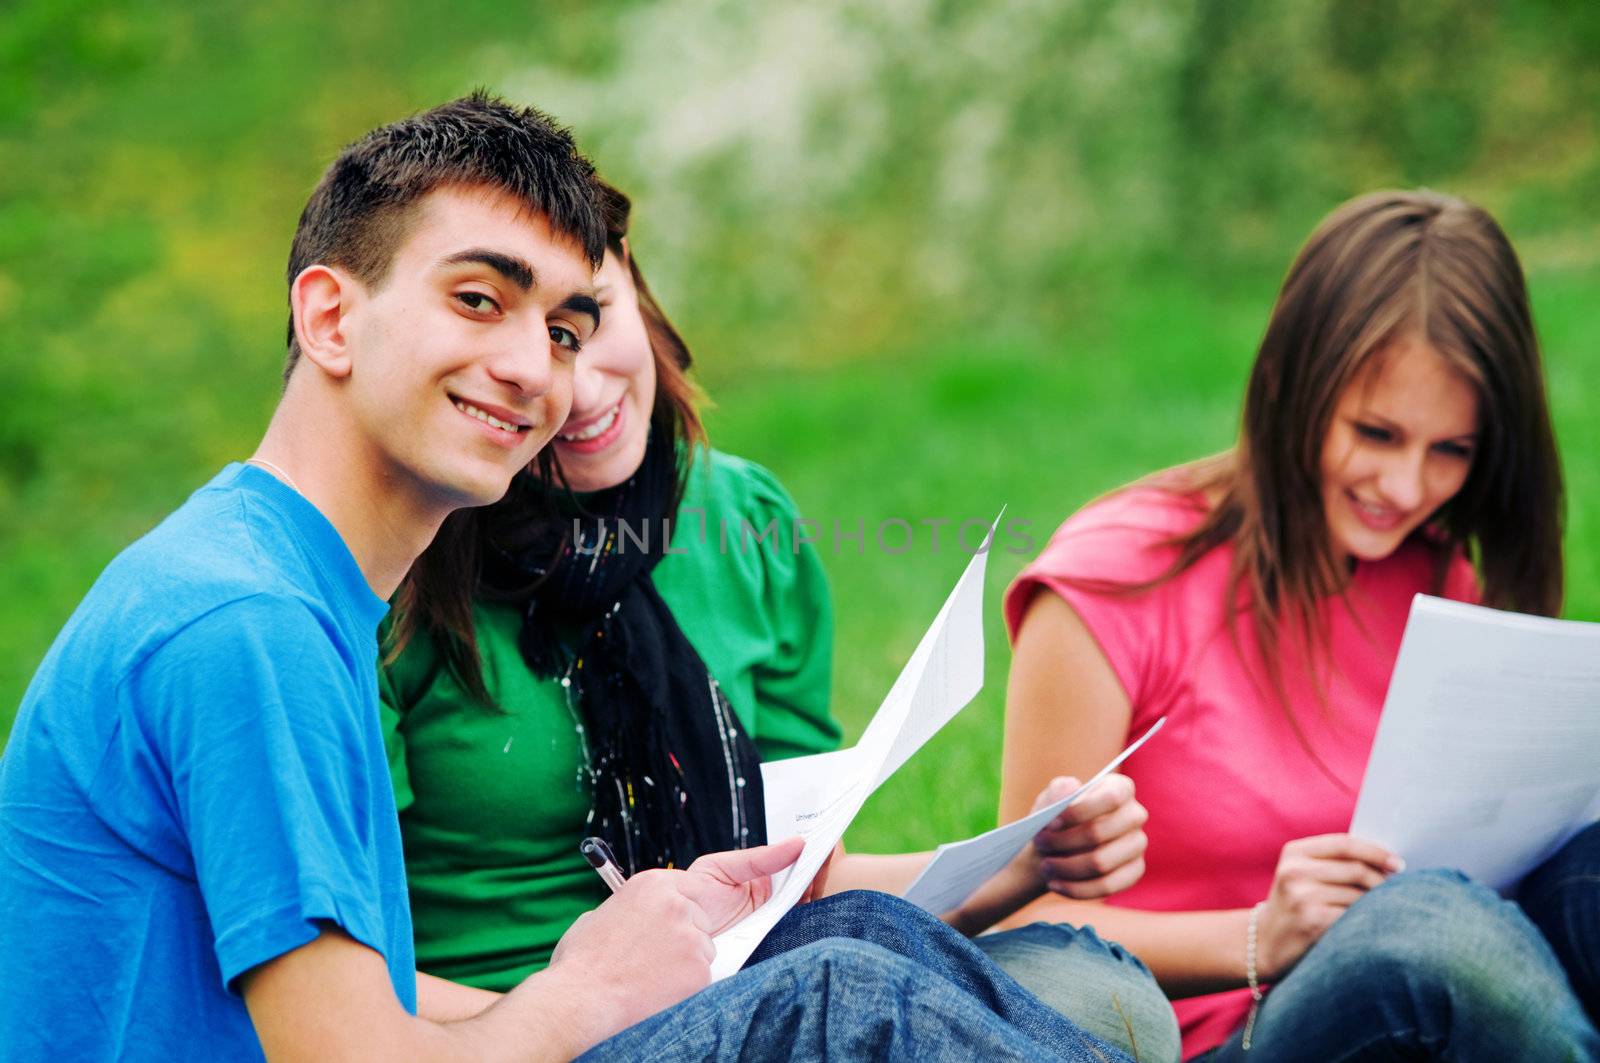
x: 199, y: 852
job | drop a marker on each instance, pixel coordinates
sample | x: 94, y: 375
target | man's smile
x: 493, y: 416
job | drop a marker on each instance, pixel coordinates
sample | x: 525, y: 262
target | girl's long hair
x: 437, y: 594
x: 1381, y: 267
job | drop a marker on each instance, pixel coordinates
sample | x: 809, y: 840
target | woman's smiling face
x: 613, y: 389
x: 1399, y: 446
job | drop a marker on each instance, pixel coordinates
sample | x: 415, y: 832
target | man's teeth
x: 487, y: 418
x: 595, y: 429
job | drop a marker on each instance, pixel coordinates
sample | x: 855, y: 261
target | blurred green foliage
x: 932, y: 256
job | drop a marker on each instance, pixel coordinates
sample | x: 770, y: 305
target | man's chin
x: 472, y: 492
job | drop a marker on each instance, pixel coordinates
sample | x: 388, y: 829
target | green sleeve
x: 793, y: 685
x: 392, y: 704
x: 754, y: 602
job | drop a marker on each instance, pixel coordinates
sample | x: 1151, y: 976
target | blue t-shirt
x: 196, y: 778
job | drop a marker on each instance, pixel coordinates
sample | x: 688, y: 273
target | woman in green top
x: 617, y: 659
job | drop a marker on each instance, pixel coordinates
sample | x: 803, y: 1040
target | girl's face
x: 613, y: 389
x: 1400, y: 446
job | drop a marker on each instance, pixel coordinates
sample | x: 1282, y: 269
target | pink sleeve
x: 1117, y: 543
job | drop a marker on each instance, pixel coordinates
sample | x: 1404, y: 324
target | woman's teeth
x: 1379, y: 514
x: 487, y: 418
x: 595, y: 429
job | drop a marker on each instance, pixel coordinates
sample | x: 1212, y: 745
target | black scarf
x: 672, y: 772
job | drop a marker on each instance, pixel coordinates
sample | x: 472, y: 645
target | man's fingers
x: 743, y: 865
x: 672, y: 896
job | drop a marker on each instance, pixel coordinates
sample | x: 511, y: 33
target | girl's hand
x: 1316, y: 880
x: 1096, y: 846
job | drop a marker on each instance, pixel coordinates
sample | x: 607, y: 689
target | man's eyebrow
x: 583, y: 303
x: 510, y: 267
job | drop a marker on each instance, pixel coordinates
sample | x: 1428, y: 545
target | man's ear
x: 320, y: 297
x: 627, y: 254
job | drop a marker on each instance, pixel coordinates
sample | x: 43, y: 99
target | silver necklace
x: 274, y: 470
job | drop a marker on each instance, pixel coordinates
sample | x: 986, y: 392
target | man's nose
x: 525, y: 364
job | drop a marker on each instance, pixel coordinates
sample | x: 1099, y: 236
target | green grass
x: 1153, y: 379
x: 923, y: 276
x: 1148, y: 376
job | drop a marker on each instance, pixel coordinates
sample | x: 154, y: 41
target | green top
x: 492, y: 803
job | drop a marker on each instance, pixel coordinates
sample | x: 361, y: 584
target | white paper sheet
x: 959, y: 868
x: 818, y: 796
x: 1487, y: 757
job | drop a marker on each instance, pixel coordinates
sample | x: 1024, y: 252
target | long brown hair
x: 1382, y: 266
x: 437, y: 594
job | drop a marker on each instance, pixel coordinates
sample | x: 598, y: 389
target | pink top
x: 1227, y: 782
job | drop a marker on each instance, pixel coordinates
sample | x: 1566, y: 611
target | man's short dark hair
x: 362, y: 209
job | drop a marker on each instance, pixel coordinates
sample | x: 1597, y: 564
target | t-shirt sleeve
x: 1090, y: 557
x: 267, y: 747
x: 792, y: 686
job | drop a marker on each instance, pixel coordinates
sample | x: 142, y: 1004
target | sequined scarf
x: 671, y: 771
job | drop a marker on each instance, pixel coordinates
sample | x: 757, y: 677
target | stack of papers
x: 816, y: 797
x: 1487, y: 757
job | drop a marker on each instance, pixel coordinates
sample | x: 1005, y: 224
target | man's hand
x: 649, y: 946
x: 726, y: 887
x: 643, y: 950
x: 1096, y: 846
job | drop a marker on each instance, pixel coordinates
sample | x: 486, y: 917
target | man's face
x: 462, y: 357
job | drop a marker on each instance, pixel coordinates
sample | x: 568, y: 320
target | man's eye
x: 1374, y: 433
x: 477, y: 302
x: 565, y: 337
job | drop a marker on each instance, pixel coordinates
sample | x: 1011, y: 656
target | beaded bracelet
x: 1250, y: 973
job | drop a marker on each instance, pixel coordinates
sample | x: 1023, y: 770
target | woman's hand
x: 1096, y: 846
x: 1316, y: 880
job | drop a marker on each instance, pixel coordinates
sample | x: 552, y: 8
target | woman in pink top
x: 1395, y: 425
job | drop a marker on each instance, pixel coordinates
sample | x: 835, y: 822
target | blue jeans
x: 1431, y: 965
x: 1099, y: 985
x: 860, y: 975
x: 1562, y: 898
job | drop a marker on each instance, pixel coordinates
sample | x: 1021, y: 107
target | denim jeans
x: 1431, y: 965
x: 860, y: 975
x: 1562, y: 898
x: 1099, y: 985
